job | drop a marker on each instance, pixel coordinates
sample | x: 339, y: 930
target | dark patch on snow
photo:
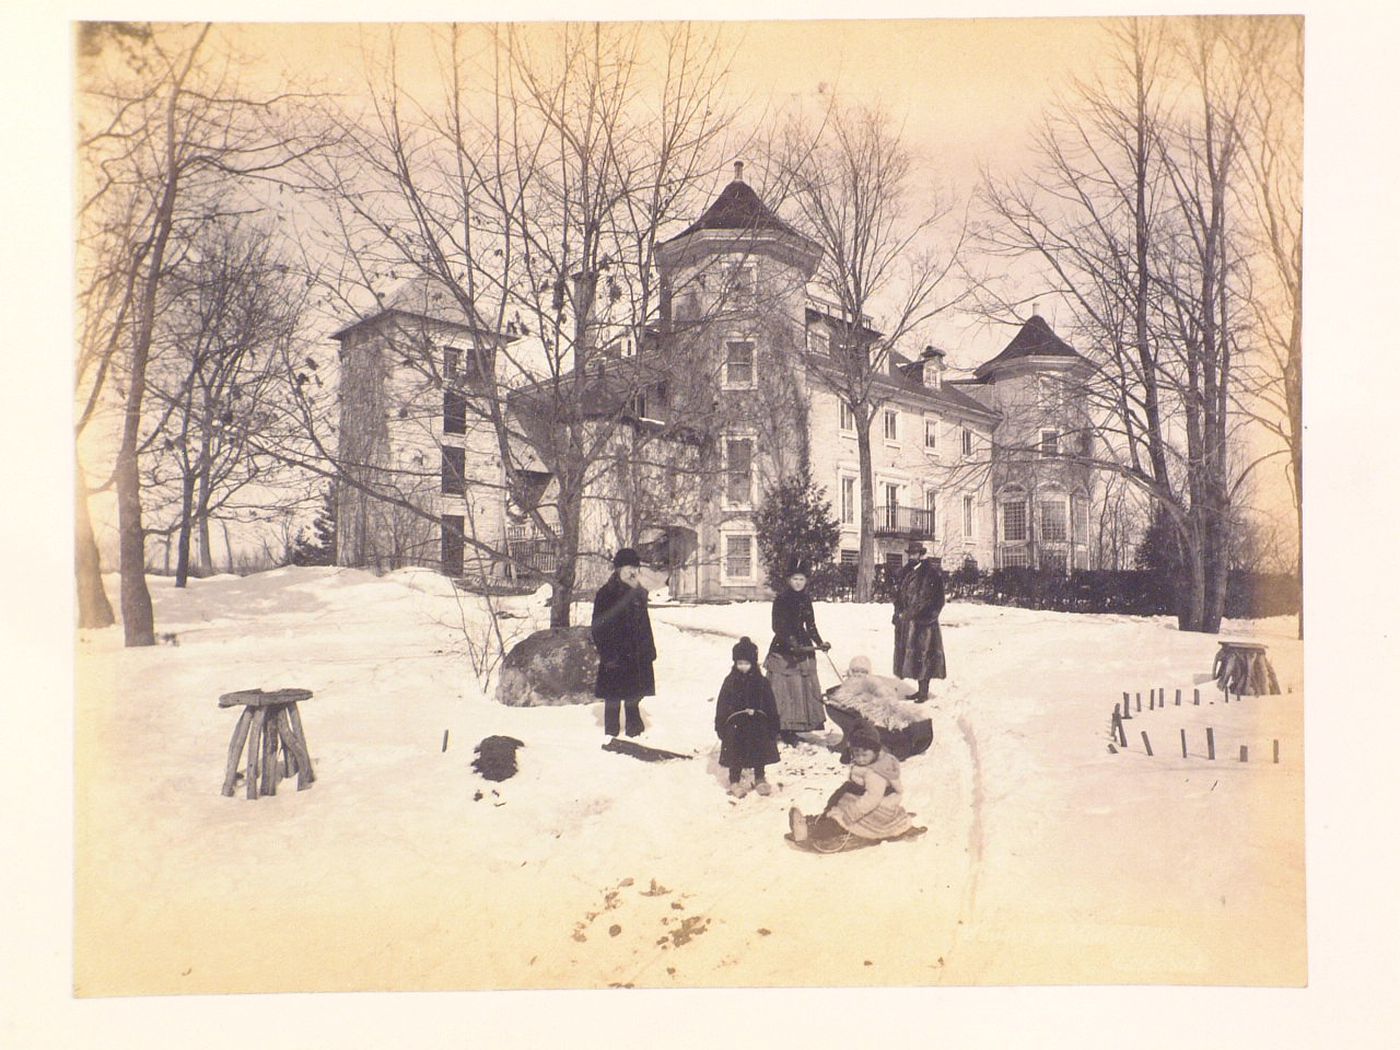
x: 496, y: 757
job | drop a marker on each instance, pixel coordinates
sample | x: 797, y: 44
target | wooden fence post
x: 1147, y: 743
x: 1244, y: 753
x: 1127, y: 707
x: 1197, y: 701
x: 1183, y: 743
x: 1275, y: 752
x: 1178, y: 698
x: 1210, y: 742
x: 1139, y: 703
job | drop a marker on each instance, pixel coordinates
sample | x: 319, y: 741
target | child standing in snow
x: 746, y: 721
x: 868, y: 806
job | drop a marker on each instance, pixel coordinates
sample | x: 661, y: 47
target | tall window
x: 738, y: 557
x: 454, y: 412
x: 966, y: 442
x: 848, y: 419
x: 1079, y: 518
x: 1052, y: 521
x: 818, y: 340
x: 738, y: 471
x: 1013, y: 521
x: 930, y: 433
x: 969, y: 519
x: 451, y: 362
x: 1049, y: 442
x: 454, y: 470
x: 931, y: 513
x: 738, y: 364
x: 891, y: 501
x: 452, y: 544
x: 891, y: 424
x: 848, y: 501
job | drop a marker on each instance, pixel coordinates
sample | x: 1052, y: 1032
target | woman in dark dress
x: 791, y: 663
x: 621, y: 630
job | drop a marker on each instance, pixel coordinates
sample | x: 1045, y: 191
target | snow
x: 1049, y: 859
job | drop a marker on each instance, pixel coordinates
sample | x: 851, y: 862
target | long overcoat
x: 746, y: 721
x: 622, y: 635
x: 918, y: 641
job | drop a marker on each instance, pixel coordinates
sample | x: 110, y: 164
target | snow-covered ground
x: 1049, y: 858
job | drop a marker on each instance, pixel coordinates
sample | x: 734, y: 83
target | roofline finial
x: 738, y: 171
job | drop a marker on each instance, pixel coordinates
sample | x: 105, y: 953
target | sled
x: 641, y: 751
x: 847, y: 843
x: 913, y: 739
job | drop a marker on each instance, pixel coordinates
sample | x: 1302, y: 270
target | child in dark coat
x: 746, y: 721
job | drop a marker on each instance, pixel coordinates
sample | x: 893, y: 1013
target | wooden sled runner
x: 848, y: 842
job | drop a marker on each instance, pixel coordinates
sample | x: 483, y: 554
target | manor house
x: 981, y: 469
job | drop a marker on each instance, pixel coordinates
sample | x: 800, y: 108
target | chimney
x: 738, y: 171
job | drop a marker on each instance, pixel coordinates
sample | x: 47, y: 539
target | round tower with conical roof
x: 1041, y: 483
x: 733, y: 298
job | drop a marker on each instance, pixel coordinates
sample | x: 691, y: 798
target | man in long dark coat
x: 918, y: 641
x: 621, y: 630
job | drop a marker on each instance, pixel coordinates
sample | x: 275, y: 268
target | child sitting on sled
x: 746, y: 721
x: 867, y: 807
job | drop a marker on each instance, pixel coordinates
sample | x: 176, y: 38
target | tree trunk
x: 201, y: 512
x: 94, y: 610
x: 138, y: 618
x: 566, y: 568
x: 182, y: 543
x: 865, y: 566
x: 1192, y: 598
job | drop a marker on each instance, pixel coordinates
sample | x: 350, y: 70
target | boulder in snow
x: 549, y: 668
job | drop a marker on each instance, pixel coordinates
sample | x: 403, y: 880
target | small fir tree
x: 795, y: 519
x: 318, y: 548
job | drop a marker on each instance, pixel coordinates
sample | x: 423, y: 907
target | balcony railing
x: 530, y: 551
x: 914, y: 522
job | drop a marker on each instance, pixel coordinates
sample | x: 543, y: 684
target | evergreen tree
x: 319, y: 547
x: 795, y: 519
x: 1159, y: 554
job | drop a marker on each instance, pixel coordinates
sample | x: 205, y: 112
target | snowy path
x: 1048, y: 859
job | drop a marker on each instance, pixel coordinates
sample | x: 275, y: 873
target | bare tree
x: 853, y: 186
x: 532, y: 194
x: 228, y: 324
x: 1129, y: 217
x: 1269, y: 53
x: 165, y: 133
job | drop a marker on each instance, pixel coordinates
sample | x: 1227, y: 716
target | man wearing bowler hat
x: 918, y: 642
x: 621, y: 630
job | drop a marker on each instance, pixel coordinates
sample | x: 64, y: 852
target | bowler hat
x: 915, y: 547
x: 798, y: 565
x: 626, y: 556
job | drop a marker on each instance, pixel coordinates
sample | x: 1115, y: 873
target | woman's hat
x: 626, y: 556
x: 744, y: 649
x: 915, y: 547
x: 864, y: 736
x: 798, y: 565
